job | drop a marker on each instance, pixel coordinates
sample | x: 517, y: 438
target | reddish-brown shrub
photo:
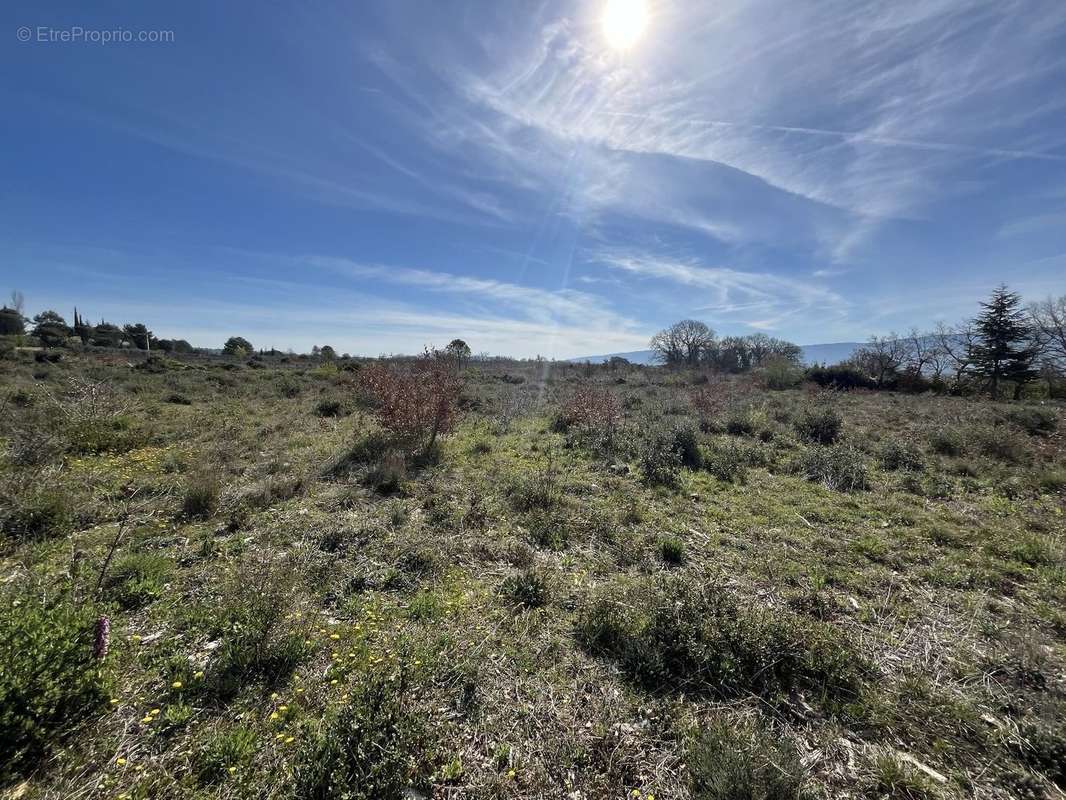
x: 593, y: 409
x: 416, y: 404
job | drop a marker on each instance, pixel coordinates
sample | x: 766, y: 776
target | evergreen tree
x: 51, y: 329
x: 82, y: 329
x: 237, y: 346
x: 11, y: 322
x: 106, y: 334
x: 138, y: 335
x: 1003, y: 347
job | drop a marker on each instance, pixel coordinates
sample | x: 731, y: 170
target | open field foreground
x: 222, y: 579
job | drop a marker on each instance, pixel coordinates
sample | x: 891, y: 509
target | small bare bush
x: 590, y: 409
x: 416, y: 405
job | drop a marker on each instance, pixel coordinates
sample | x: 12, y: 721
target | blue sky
x: 380, y: 176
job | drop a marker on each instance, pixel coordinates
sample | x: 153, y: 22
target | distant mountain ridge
x: 828, y: 353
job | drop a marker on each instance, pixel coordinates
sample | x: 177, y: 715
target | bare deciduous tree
x: 684, y: 342
x: 1048, y: 320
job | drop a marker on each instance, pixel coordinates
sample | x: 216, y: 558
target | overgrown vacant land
x: 226, y: 578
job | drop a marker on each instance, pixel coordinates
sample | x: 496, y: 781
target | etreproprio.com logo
x: 76, y: 34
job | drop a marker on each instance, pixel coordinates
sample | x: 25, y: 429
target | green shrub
x: 947, y: 442
x: 672, y: 551
x: 137, y: 579
x: 233, y: 747
x: 104, y: 435
x: 745, y: 761
x: 726, y: 461
x: 685, y: 634
x: 49, y: 679
x: 999, y: 442
x: 659, y: 460
x: 840, y: 467
x: 740, y: 421
x: 201, y: 498
x: 40, y: 513
x: 899, y: 455
x: 840, y: 377
x: 374, y: 747
x: 529, y: 588
x: 288, y: 386
x: 1034, y: 420
x: 329, y: 407
x: 257, y: 642
x: 819, y: 424
x: 686, y: 444
x: 780, y: 373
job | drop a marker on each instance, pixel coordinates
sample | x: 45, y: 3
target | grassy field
x: 727, y: 593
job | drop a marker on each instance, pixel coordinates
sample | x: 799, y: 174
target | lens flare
x: 624, y: 22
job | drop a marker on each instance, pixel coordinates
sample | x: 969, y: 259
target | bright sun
x: 624, y: 22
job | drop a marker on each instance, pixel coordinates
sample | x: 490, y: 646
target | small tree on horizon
x: 458, y: 349
x: 237, y: 346
x: 11, y: 322
x: 1003, y: 348
x: 51, y: 328
x: 138, y: 335
x: 686, y: 342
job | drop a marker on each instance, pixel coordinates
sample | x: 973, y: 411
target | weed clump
x: 747, y: 760
x: 840, y: 467
x: 225, y: 750
x: 374, y: 747
x: 947, y: 442
x: 660, y: 461
x: 39, y: 513
x: 528, y: 589
x: 672, y: 551
x: 1035, y: 420
x: 201, y: 498
x: 329, y: 407
x: 726, y: 461
x: 388, y: 474
x: 820, y: 424
x: 177, y: 398
x: 999, y: 442
x: 49, y: 680
x: 257, y: 644
x: 137, y: 579
x: 685, y: 633
x: 899, y: 455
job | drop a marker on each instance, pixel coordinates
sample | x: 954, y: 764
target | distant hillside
x: 830, y: 353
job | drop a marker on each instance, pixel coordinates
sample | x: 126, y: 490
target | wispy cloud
x: 757, y: 299
x: 910, y: 85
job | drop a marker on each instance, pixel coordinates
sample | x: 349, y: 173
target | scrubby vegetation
x: 306, y: 577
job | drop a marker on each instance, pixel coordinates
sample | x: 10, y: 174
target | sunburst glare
x: 624, y: 22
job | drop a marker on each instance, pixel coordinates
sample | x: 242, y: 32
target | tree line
x: 692, y: 343
x: 1007, y: 345
x: 50, y: 329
